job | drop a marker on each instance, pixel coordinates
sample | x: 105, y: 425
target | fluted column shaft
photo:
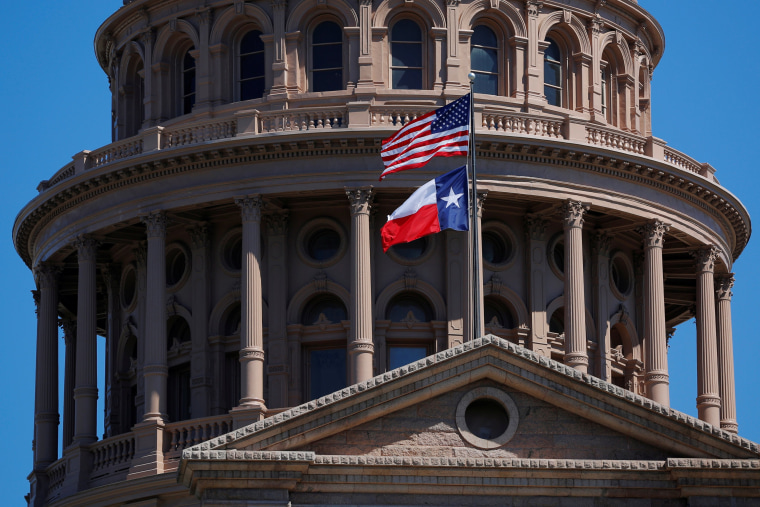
x: 726, y: 354
x: 46, y: 375
x: 576, y: 354
x: 657, y: 380
x: 251, y: 323
x: 86, y: 378
x: 708, y: 390
x: 360, y: 345
x: 69, y: 336
x: 155, y: 369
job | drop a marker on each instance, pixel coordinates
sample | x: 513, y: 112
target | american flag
x: 443, y: 132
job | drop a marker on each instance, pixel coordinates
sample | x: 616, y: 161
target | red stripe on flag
x: 409, y: 228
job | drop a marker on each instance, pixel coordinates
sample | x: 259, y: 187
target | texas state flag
x: 437, y: 205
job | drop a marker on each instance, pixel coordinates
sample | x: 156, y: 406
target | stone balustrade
x: 111, y: 453
x: 56, y: 475
x: 490, y: 119
x: 184, y: 434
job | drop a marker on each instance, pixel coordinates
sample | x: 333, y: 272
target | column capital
x: 87, y: 248
x: 250, y: 207
x: 199, y: 235
x: 277, y: 223
x: 533, y: 7
x: 535, y: 227
x: 69, y: 328
x: 141, y: 256
x: 482, y: 195
x: 723, y: 286
x: 155, y: 224
x: 653, y: 233
x: 601, y: 243
x: 360, y: 199
x: 46, y: 275
x: 705, y: 258
x: 573, y: 213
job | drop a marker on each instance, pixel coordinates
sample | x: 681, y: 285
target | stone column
x: 576, y: 354
x: 657, y: 383
x: 155, y: 369
x: 200, y: 379
x: 726, y: 353
x: 46, y: 374
x: 535, y: 265
x: 251, y: 319
x: 86, y: 378
x: 277, y: 269
x: 69, y: 335
x: 360, y: 345
x: 708, y: 390
x: 601, y: 242
x: 112, y: 420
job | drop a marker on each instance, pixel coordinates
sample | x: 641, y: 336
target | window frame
x: 313, y: 25
x: 238, y: 68
x: 501, y: 68
x: 562, y: 86
x: 183, y: 95
x: 423, y: 68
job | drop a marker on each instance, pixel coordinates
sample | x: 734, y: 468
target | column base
x: 79, y: 462
x: 577, y: 361
x: 729, y: 425
x: 658, y: 388
x: 708, y: 408
x: 243, y: 415
x: 38, y: 488
x: 149, y: 449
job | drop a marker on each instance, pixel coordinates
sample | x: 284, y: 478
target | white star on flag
x: 452, y: 198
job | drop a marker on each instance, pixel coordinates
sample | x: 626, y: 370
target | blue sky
x: 704, y: 100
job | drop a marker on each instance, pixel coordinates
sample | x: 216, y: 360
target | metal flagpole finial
x: 471, y: 77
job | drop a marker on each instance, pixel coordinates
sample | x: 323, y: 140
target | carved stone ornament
x: 199, y: 236
x: 319, y: 282
x: 410, y: 279
x: 573, y: 213
x: 723, y: 286
x: 533, y: 7
x: 279, y: 4
x: 250, y: 207
x: 36, y: 299
x: 69, y: 328
x: 596, y: 24
x: 87, y: 248
x: 535, y: 227
x: 482, y: 195
x: 705, y: 258
x: 141, y: 256
x: 252, y: 354
x: 360, y: 199
x: 155, y: 224
x: 277, y: 223
x: 496, y: 284
x: 362, y: 346
x: 601, y: 242
x: 452, y: 3
x: 46, y: 275
x: 653, y: 233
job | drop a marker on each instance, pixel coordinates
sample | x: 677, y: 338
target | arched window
x: 188, y: 82
x: 177, y: 330
x: 406, y: 55
x: 134, y: 98
x: 326, y: 309
x: 178, y: 383
x: 484, y: 51
x: 496, y: 314
x: 557, y: 321
x: 553, y: 74
x: 605, y: 92
x: 252, y: 64
x: 408, y: 307
x: 327, y: 57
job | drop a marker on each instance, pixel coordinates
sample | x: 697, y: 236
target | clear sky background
x: 55, y: 103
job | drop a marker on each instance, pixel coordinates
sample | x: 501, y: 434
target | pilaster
x: 535, y: 260
x: 200, y: 378
x: 360, y: 345
x: 576, y: 354
x: 277, y: 269
x: 600, y: 244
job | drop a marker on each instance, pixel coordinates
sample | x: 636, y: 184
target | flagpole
x: 474, y: 229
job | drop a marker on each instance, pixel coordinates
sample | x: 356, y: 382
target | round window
x: 233, y: 252
x: 408, y: 307
x: 128, y: 287
x: 497, y: 244
x: 323, y: 244
x: 487, y: 417
x: 177, y: 266
x: 621, y: 276
x: 411, y: 251
x: 497, y: 314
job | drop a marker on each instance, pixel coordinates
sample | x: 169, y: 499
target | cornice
x: 140, y: 169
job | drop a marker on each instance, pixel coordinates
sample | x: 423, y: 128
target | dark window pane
x: 323, y: 308
x: 412, y: 250
x: 552, y: 74
x: 406, y: 30
x: 486, y: 83
x: 178, y: 391
x: 329, y: 56
x: 188, y: 62
x: 406, y: 306
x: 496, y: 313
x: 559, y: 255
x: 406, y: 54
x: 496, y: 249
x: 252, y: 66
x: 400, y: 356
x: 484, y: 36
x: 484, y: 60
x: 327, y: 80
x: 323, y: 244
x: 327, y: 371
x: 327, y: 32
x: 552, y: 52
x: 251, y: 42
x: 407, y: 79
x: 252, y: 89
x: 553, y: 96
x: 486, y: 418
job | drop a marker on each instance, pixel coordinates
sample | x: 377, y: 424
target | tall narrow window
x: 406, y: 55
x: 484, y: 50
x: 188, y: 82
x: 553, y: 74
x: 327, y: 57
x: 604, y: 92
x: 251, y: 66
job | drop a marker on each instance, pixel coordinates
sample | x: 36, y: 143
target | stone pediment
x: 411, y: 420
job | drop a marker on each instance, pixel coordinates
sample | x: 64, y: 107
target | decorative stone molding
x: 653, y: 233
x: 277, y: 223
x: 250, y: 207
x: 87, y: 248
x: 601, y: 241
x: 573, y: 213
x: 361, y: 199
x: 535, y: 227
x: 723, y: 286
x: 46, y: 275
x: 705, y: 258
x: 155, y: 224
x: 199, y: 236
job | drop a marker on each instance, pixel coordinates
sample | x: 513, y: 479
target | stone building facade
x: 260, y: 346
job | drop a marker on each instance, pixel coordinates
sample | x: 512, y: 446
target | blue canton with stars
x: 451, y: 197
x: 452, y: 116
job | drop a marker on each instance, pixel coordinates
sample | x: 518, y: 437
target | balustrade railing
x: 184, y: 434
x: 384, y: 116
x: 298, y: 119
x: 112, y: 454
x: 56, y: 475
x: 198, y: 133
x: 114, y: 152
x: 609, y: 138
x: 678, y: 159
x: 520, y: 124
